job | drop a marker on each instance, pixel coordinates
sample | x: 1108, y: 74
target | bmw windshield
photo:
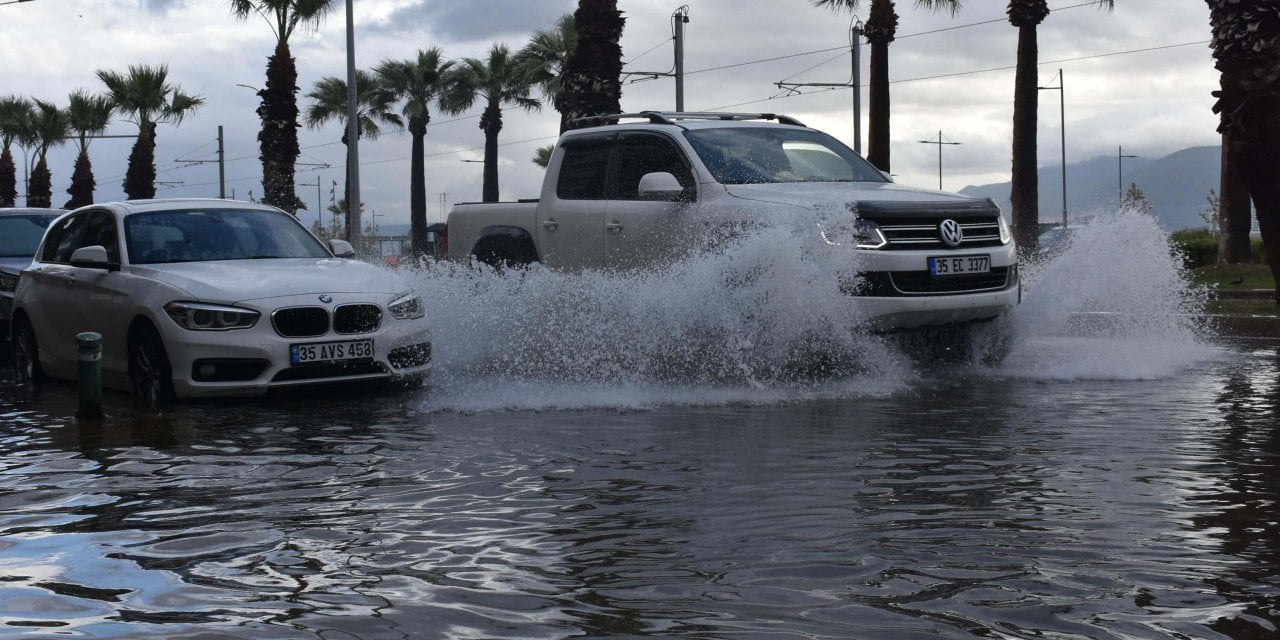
x: 199, y: 235
x: 756, y: 155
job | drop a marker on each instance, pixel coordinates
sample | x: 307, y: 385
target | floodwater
x: 622, y: 456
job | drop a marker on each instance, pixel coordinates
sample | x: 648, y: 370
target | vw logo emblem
x: 326, y: 298
x: 950, y: 232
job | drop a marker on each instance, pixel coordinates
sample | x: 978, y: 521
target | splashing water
x: 764, y: 321
x: 760, y: 321
x: 1113, y: 304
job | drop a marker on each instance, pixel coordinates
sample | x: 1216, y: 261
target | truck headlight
x: 865, y: 234
x: 1006, y: 235
x: 197, y: 316
x: 406, y: 307
x: 868, y: 235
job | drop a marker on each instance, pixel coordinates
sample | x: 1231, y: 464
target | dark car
x: 20, y: 234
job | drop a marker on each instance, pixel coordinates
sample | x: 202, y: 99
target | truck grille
x: 886, y: 284
x: 922, y: 233
x: 301, y: 322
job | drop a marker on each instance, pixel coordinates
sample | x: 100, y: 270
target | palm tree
x: 373, y: 109
x: 87, y: 115
x: 278, y: 138
x: 880, y: 29
x: 145, y: 97
x: 495, y: 82
x: 591, y: 84
x: 418, y: 83
x: 49, y: 127
x: 15, y: 116
x: 1027, y: 15
x: 1246, y: 50
x: 546, y: 60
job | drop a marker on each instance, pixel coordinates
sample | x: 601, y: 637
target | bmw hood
x: 230, y: 281
x: 884, y: 196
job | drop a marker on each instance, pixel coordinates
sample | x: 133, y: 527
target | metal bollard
x: 89, y: 346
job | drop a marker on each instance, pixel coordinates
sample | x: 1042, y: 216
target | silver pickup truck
x: 647, y: 188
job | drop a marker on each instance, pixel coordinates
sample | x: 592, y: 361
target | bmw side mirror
x: 342, y: 248
x: 93, y: 257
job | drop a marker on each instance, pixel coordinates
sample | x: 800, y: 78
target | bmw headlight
x: 8, y: 282
x: 406, y: 307
x: 198, y: 316
x: 1006, y: 235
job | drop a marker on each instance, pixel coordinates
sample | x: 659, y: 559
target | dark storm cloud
x: 476, y: 19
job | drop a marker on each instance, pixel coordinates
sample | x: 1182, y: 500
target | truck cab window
x: 583, y: 170
x: 640, y: 154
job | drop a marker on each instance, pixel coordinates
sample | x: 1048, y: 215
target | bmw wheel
x: 149, y: 370
x: 26, y: 356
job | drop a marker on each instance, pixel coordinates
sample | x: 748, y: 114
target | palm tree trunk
x: 39, y: 189
x: 418, y: 187
x: 278, y: 139
x: 1260, y: 172
x: 82, y: 183
x: 1024, y: 196
x: 1233, y: 207
x: 8, y: 180
x: 491, y: 123
x: 878, y: 107
x: 140, y: 178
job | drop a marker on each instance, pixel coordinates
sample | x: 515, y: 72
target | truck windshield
x: 753, y: 155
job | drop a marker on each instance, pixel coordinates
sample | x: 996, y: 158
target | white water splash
x: 764, y: 322
x: 1113, y: 304
x: 760, y: 321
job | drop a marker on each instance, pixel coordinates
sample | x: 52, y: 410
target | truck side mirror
x: 342, y: 248
x: 660, y: 185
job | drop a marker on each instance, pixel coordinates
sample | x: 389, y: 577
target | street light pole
x: 1120, y: 156
x: 939, y: 142
x: 1062, y: 115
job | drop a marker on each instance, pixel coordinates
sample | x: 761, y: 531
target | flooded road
x: 1111, y: 477
x: 965, y: 505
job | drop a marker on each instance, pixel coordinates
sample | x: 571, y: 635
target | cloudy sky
x: 1138, y: 77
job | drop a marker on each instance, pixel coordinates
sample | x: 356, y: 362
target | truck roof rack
x: 673, y: 117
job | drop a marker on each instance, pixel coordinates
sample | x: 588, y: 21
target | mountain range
x: 1176, y: 185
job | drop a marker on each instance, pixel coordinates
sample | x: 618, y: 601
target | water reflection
x: 963, y: 505
x: 1241, y: 503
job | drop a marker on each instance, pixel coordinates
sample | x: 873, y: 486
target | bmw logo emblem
x: 326, y: 298
x: 950, y: 232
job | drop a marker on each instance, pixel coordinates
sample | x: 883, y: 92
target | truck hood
x: 825, y: 195
x: 230, y: 281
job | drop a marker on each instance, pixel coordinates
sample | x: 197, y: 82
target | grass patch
x: 1250, y: 276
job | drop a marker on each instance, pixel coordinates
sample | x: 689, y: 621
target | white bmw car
x: 200, y: 297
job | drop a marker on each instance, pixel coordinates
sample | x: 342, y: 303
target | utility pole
x: 855, y: 43
x: 222, y: 165
x: 1062, y: 113
x: 678, y: 20
x: 939, y: 142
x: 681, y: 18
x: 1120, y: 156
x: 319, y: 204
